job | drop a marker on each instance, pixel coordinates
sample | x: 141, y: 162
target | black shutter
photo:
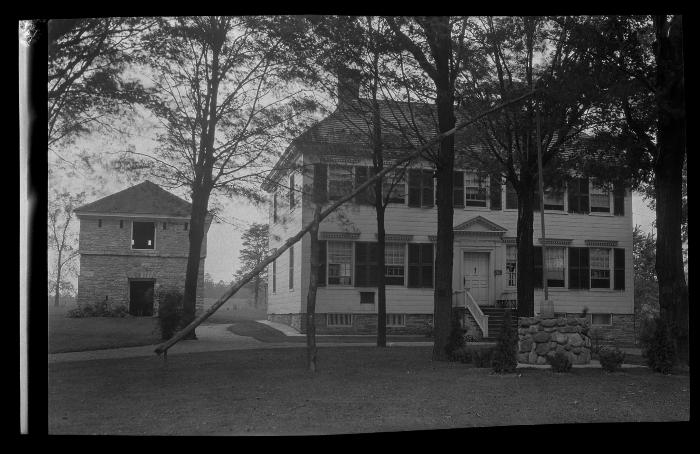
x: 321, y: 183
x: 495, y: 192
x: 458, y: 190
x: 583, y: 198
x: 361, y: 177
x: 360, y: 264
x: 426, y: 253
x: 573, y: 196
x: 372, y: 267
x: 414, y: 265
x: 414, y: 177
x: 619, y: 267
x: 321, y: 271
x: 579, y: 273
x: 537, y: 278
x: 428, y: 197
x: 619, y: 199
x: 511, y: 197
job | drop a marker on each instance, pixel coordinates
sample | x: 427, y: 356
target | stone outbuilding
x: 134, y: 244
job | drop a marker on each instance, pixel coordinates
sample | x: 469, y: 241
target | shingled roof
x: 146, y: 198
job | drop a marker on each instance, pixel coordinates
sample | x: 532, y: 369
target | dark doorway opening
x: 141, y: 298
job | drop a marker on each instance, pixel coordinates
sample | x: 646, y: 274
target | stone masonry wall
x: 108, y: 276
x: 539, y: 338
x: 620, y: 333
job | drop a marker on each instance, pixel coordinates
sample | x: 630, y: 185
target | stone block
x: 541, y: 360
x: 549, y: 322
x: 561, y: 322
x: 541, y: 337
x: 542, y: 349
x: 523, y: 358
x: 572, y: 321
x: 526, y: 345
x: 577, y: 350
x: 532, y: 357
x: 532, y: 329
x: 575, y: 340
x: 560, y: 338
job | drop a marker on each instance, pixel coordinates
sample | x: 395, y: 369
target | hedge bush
x: 505, y: 357
x: 482, y: 357
x: 657, y: 346
x: 611, y: 358
x: 170, y: 311
x: 456, y: 339
x: 560, y: 362
x: 99, y: 309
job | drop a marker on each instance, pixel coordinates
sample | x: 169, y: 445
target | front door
x: 476, y: 276
x: 141, y: 298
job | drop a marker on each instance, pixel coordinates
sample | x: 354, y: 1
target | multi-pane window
x: 600, y: 267
x: 339, y: 319
x: 420, y: 265
x: 578, y: 195
x: 475, y: 189
x: 553, y: 199
x: 366, y: 297
x: 339, y: 181
x: 395, y: 320
x: 394, y: 184
x: 511, y: 197
x: 555, y: 266
x: 394, y: 266
x: 600, y: 199
x: 512, y: 266
x: 421, y: 188
x: 339, y: 263
x: 554, y: 270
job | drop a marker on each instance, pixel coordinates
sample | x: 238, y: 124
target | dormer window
x: 143, y: 235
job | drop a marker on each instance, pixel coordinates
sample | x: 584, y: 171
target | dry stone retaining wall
x: 539, y: 338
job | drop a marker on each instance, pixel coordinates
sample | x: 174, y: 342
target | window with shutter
x: 394, y: 263
x: 427, y: 189
x: 365, y: 264
x: 420, y: 265
x: 414, y: 184
x: 600, y: 267
x: 340, y: 181
x: 475, y: 189
x: 553, y: 199
x: 339, y: 263
x: 394, y: 185
x: 599, y: 199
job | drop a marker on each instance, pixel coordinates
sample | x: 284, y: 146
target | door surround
x: 491, y: 255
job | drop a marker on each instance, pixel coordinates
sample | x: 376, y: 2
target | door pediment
x: 480, y: 226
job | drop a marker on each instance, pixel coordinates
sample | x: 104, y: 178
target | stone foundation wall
x: 539, y: 338
x: 620, y: 333
x: 361, y: 324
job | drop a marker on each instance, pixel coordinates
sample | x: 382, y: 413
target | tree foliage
x: 62, y: 241
x: 255, y: 249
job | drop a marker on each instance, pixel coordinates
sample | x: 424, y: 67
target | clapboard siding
x: 421, y: 223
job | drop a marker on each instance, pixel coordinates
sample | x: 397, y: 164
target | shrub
x: 611, y: 358
x: 505, y: 357
x: 658, y: 347
x: 169, y: 312
x: 99, y: 309
x: 428, y: 327
x: 463, y: 355
x: 560, y: 362
x: 456, y: 339
x: 482, y: 357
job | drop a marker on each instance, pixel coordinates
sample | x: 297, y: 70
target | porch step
x: 496, y: 316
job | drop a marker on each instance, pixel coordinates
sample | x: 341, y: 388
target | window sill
x: 593, y: 213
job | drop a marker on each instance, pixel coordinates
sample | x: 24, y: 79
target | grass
x: 96, y: 333
x: 355, y: 390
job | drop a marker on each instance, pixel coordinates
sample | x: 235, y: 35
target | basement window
x: 99, y: 223
x: 366, y: 297
x: 185, y: 226
x: 143, y: 235
x: 121, y: 224
x: 601, y: 319
x: 339, y: 320
x: 165, y: 225
x: 395, y: 320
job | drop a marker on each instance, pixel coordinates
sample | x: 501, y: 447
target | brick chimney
x: 348, y: 85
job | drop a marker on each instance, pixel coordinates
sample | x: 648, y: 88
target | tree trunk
x: 200, y: 201
x: 526, y: 263
x: 311, y: 296
x: 673, y: 290
x: 381, y: 281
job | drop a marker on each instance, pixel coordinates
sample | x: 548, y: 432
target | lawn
x: 355, y: 390
x: 97, y: 333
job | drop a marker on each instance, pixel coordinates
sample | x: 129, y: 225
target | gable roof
x: 144, y: 198
x: 346, y: 131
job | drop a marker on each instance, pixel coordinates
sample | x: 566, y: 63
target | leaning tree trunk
x: 311, y: 351
x: 526, y: 263
x: 200, y: 200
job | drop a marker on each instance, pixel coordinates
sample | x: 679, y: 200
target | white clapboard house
x: 589, y: 240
